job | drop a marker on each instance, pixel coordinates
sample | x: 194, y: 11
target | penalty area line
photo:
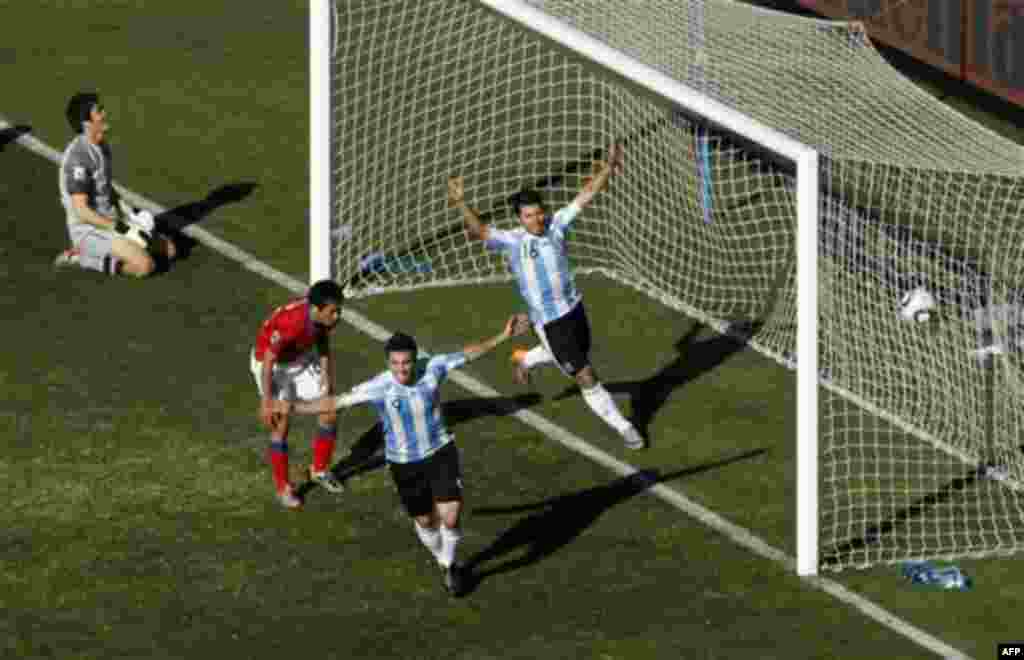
x: 739, y: 535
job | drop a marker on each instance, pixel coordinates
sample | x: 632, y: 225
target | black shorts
x: 568, y: 339
x: 437, y: 477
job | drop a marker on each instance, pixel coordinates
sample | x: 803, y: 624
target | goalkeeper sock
x: 323, y: 447
x: 279, y: 462
x: 112, y: 265
x: 537, y: 356
x: 430, y: 537
x: 602, y: 403
x: 450, y: 537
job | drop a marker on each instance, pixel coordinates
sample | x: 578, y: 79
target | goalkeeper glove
x: 133, y: 233
x: 141, y: 218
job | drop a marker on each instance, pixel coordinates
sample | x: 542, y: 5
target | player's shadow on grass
x: 694, y: 357
x: 172, y: 223
x: 12, y: 133
x: 554, y: 523
x: 367, y: 452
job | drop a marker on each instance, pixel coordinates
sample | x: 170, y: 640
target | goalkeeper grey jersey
x: 87, y: 168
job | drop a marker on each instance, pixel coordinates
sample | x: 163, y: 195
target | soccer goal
x: 784, y: 185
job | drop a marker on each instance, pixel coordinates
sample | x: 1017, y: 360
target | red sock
x: 279, y: 463
x: 323, y: 447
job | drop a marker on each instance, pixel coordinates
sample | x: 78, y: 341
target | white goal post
x: 781, y: 176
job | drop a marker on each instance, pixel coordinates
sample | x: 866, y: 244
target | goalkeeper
x: 106, y: 235
x: 537, y: 256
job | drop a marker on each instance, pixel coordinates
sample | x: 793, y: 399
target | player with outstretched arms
x: 537, y: 255
x: 106, y: 234
x: 292, y: 361
x: 420, y: 451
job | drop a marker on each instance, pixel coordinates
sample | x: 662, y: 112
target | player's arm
x: 80, y: 201
x: 326, y: 361
x: 475, y: 227
x: 517, y: 324
x: 267, y: 408
x: 362, y: 393
x: 599, y: 180
x: 137, y: 235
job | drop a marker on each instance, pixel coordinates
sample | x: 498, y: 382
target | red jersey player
x: 292, y: 361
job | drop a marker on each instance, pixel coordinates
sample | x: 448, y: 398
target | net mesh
x: 920, y: 423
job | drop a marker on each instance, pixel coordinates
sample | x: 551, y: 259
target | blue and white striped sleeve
x: 370, y: 391
x: 441, y: 365
x: 499, y: 240
x: 563, y: 219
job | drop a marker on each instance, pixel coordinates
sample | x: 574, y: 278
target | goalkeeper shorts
x: 96, y: 250
x: 302, y: 379
x: 568, y: 340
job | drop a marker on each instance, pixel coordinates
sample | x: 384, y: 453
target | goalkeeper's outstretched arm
x: 475, y: 227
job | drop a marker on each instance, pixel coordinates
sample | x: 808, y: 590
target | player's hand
x: 268, y: 413
x: 456, y: 190
x: 616, y: 154
x: 615, y: 158
x: 518, y: 324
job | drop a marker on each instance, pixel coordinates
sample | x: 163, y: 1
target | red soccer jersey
x: 289, y: 332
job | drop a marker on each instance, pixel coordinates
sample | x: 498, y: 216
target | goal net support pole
x: 320, y: 47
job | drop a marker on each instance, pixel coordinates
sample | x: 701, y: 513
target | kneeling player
x: 105, y: 236
x: 423, y: 459
x: 292, y: 361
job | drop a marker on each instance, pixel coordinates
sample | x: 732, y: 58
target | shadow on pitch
x: 12, y: 133
x: 554, y: 523
x: 693, y: 359
x: 173, y: 222
x: 367, y: 452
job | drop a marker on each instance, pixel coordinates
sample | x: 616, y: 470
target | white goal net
x: 921, y: 424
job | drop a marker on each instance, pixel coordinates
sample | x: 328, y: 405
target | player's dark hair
x: 79, y: 108
x: 325, y: 292
x: 400, y: 343
x: 526, y: 198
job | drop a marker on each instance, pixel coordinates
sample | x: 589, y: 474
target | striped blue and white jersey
x: 411, y: 415
x: 541, y: 265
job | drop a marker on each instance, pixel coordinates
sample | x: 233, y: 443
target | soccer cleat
x: 519, y: 372
x: 326, y: 480
x: 633, y: 439
x: 288, y: 499
x: 68, y: 258
x: 454, y: 580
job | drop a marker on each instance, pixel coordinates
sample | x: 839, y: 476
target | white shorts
x: 299, y: 380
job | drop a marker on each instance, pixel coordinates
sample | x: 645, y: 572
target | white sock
x: 537, y: 356
x: 602, y: 403
x: 431, y: 538
x: 450, y: 537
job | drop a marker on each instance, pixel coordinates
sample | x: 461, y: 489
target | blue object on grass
x: 949, y: 578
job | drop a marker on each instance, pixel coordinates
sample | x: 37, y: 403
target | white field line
x: 672, y: 496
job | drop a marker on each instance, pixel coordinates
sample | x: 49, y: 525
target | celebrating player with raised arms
x: 420, y: 451
x: 537, y: 256
x: 292, y: 361
x: 105, y: 236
